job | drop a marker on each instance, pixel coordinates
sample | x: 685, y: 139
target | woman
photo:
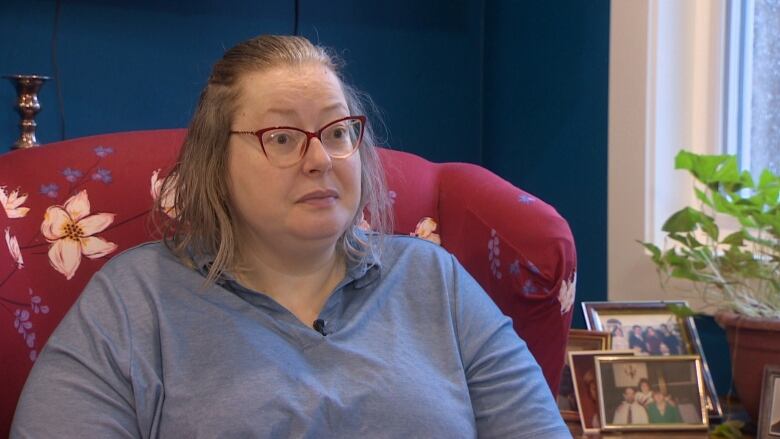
x: 267, y: 312
x: 645, y: 394
x: 653, y: 341
x: 619, y: 340
x: 660, y: 411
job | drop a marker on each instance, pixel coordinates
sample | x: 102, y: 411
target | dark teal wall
x: 140, y: 65
x: 123, y: 65
x: 546, y: 88
x: 419, y: 60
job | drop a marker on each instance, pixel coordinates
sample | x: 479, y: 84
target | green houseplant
x: 736, y: 272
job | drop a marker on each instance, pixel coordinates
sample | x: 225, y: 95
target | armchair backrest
x: 70, y: 206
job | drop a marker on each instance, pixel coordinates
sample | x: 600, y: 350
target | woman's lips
x: 320, y: 198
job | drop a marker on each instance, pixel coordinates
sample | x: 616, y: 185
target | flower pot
x: 753, y: 343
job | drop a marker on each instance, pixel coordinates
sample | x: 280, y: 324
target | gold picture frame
x: 583, y: 373
x: 579, y: 340
x: 769, y: 414
x: 673, y: 384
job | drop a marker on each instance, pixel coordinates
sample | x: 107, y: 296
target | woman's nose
x: 316, y: 158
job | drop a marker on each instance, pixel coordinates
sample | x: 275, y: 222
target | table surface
x: 576, y: 431
x: 733, y: 408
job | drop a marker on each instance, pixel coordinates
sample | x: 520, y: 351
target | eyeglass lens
x: 285, y: 145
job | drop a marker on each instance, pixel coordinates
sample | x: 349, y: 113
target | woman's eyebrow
x: 290, y: 111
x: 280, y: 111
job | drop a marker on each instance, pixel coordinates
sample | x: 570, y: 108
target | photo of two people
x: 651, y: 392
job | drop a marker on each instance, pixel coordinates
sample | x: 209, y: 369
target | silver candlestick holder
x: 27, y: 87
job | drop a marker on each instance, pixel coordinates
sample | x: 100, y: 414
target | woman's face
x: 644, y: 387
x: 314, y: 200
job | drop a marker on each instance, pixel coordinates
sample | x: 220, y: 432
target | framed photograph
x: 651, y: 393
x: 650, y: 328
x: 583, y: 373
x: 769, y: 414
x: 579, y: 340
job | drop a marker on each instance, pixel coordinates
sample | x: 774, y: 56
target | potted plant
x: 737, y: 272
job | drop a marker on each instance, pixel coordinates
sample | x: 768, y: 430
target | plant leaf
x: 727, y: 171
x: 681, y: 311
x: 684, y: 220
x: 655, y: 252
x: 703, y: 197
x: 729, y: 430
x: 736, y: 238
x: 766, y: 178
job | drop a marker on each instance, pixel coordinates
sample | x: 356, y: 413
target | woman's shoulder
x: 145, y: 255
x: 397, y: 246
x: 144, y: 266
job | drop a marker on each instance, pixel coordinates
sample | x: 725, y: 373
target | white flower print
x: 425, y: 228
x: 169, y: 197
x: 13, y: 248
x: 12, y: 203
x: 567, y: 293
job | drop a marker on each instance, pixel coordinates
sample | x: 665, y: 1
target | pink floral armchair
x: 69, y: 206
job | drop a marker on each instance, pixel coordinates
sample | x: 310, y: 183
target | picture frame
x: 769, y: 412
x: 583, y: 372
x: 579, y: 340
x: 601, y: 316
x: 671, y: 388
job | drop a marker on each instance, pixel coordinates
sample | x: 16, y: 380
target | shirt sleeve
x: 80, y: 384
x: 508, y: 392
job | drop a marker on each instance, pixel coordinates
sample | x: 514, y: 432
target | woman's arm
x: 80, y: 385
x: 508, y: 392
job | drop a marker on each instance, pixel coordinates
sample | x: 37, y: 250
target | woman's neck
x: 301, y: 281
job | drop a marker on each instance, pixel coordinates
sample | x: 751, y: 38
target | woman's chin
x: 320, y: 231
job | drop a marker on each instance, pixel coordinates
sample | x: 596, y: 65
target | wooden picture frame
x: 583, y: 373
x: 672, y: 389
x: 579, y: 340
x: 769, y: 413
x: 601, y: 316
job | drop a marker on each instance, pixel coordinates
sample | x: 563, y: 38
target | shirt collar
x: 362, y: 271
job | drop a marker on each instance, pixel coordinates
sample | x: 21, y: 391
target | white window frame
x: 666, y: 93
x: 738, y: 80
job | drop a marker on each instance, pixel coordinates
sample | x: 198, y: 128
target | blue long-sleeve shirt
x: 414, y: 348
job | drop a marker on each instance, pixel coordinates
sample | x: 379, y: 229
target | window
x: 752, y: 116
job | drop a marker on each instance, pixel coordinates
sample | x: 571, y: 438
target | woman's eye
x: 280, y: 139
x: 338, y: 133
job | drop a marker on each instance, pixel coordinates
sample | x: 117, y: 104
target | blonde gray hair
x: 205, y: 223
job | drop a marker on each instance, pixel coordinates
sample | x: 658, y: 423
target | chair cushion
x: 99, y: 189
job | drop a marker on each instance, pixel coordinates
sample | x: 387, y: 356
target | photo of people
x: 583, y: 371
x: 652, y: 393
x: 579, y: 340
x: 774, y: 418
x: 651, y: 328
x: 648, y: 334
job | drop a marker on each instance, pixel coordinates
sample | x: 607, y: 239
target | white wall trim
x: 665, y: 94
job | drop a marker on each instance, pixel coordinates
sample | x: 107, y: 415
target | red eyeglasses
x: 286, y: 146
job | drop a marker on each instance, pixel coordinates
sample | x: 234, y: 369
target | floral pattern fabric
x: 68, y: 207
x: 70, y: 229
